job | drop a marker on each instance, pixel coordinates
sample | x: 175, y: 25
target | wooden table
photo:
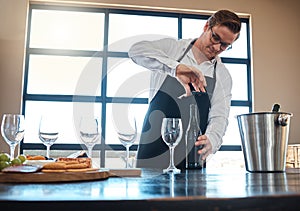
x: 194, y: 189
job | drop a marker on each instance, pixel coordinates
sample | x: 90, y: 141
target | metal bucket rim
x: 263, y: 113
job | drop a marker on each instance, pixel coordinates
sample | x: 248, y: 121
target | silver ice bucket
x: 264, y: 137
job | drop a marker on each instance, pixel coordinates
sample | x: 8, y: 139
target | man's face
x: 215, y: 40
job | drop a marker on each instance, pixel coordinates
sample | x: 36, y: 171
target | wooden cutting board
x: 42, y: 177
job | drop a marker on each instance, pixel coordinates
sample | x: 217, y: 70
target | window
x: 77, y: 64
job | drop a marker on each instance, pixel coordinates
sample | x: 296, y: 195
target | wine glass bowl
x: 89, y: 132
x: 127, y: 139
x: 48, y: 132
x: 13, y: 130
x: 171, y: 132
x: 127, y: 134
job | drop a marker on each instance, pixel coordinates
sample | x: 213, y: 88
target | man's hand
x: 207, y: 147
x: 188, y: 74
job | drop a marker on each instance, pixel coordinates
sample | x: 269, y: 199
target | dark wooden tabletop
x: 194, y: 189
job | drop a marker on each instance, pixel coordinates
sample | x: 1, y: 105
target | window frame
x: 105, y: 54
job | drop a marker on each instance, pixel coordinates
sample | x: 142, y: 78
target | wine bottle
x: 193, y: 159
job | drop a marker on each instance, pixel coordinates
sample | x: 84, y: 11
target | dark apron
x: 152, y: 151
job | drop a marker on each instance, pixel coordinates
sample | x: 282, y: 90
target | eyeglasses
x: 215, y: 39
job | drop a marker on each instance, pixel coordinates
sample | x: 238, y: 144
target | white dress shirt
x: 160, y: 56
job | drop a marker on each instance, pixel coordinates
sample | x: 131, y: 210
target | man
x: 179, y: 67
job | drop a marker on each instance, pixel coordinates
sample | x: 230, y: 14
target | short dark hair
x: 226, y: 18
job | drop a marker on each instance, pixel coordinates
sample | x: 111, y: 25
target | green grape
x: 4, y: 157
x: 22, y: 158
x: 16, y: 162
x: 4, y: 164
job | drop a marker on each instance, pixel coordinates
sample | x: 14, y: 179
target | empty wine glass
x: 13, y: 130
x: 171, y: 131
x: 127, y: 132
x: 48, y: 132
x: 90, y: 130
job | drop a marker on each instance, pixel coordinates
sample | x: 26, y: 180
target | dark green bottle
x: 193, y: 159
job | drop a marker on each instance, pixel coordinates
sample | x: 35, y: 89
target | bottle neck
x: 193, y: 112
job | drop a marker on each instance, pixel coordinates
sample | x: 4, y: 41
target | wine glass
x: 13, y: 130
x: 127, y: 132
x: 48, y: 132
x: 171, y: 131
x: 90, y: 131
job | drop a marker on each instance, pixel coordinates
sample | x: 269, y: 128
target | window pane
x: 239, y: 47
x: 232, y: 135
x: 64, y: 75
x: 124, y: 30
x: 112, y: 111
x: 239, y: 81
x: 67, y: 30
x: 126, y: 79
x: 66, y: 113
x: 192, y: 28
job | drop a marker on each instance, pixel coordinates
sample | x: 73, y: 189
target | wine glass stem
x: 127, y: 156
x: 90, y: 151
x: 171, y: 156
x: 48, y: 151
x: 12, y: 152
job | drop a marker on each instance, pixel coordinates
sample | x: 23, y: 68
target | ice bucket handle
x: 283, y: 119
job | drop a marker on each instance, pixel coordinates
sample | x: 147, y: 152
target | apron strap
x: 186, y: 50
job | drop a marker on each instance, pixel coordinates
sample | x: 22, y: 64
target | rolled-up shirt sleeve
x: 159, y: 55
x: 220, y: 109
